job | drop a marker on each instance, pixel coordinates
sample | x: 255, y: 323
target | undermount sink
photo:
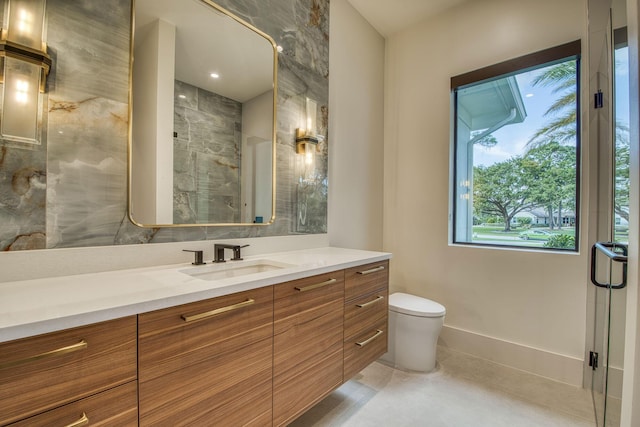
x: 233, y: 269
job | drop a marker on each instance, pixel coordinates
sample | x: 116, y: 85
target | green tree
x: 502, y: 189
x: 561, y: 241
x: 486, y: 141
x: 562, y: 127
x: 622, y: 182
x: 523, y: 221
x: 552, y: 170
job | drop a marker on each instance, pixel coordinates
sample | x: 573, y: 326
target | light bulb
x: 309, y: 154
x: 311, y: 109
x: 22, y: 91
x: 25, y: 22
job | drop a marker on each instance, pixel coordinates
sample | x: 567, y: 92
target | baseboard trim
x: 615, y: 382
x: 558, y: 367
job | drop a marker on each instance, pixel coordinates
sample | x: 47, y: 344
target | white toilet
x: 414, y: 326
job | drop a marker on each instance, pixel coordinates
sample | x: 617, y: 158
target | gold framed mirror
x: 202, y: 117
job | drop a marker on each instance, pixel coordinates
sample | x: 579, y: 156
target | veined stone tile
x: 84, y: 166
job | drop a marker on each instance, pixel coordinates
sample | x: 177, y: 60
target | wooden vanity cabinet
x: 256, y: 358
x: 117, y: 407
x: 208, y: 362
x: 365, y: 315
x: 308, y: 343
x: 60, y: 369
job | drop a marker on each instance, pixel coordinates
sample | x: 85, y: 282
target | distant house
x: 541, y: 217
x: 621, y: 221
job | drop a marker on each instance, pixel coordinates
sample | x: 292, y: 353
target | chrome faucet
x: 218, y: 250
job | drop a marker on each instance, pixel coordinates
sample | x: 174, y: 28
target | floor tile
x: 463, y: 391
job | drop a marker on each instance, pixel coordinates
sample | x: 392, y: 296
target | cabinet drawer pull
x: 57, y: 352
x: 217, y: 311
x: 83, y: 421
x: 317, y: 285
x: 367, y: 304
x: 373, y: 270
x: 368, y: 340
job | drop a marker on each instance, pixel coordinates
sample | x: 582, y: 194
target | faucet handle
x: 236, y: 253
x: 198, y: 257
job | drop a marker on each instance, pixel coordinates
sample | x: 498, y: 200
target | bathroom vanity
x: 256, y: 342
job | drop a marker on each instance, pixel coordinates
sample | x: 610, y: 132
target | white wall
x: 356, y: 116
x: 257, y: 152
x: 526, y: 309
x: 152, y: 184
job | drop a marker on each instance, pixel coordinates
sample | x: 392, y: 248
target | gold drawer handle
x: 58, y: 352
x: 368, y: 340
x: 317, y: 285
x: 84, y: 421
x: 373, y: 270
x: 217, y: 311
x: 367, y: 304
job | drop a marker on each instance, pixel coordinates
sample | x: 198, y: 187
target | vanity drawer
x: 294, y: 397
x: 46, y: 371
x: 361, y: 314
x: 117, y: 407
x: 208, y: 362
x: 299, y: 299
x: 231, y: 388
x: 364, y: 348
x: 366, y: 279
x: 308, y: 343
x: 186, y: 334
x: 308, y: 323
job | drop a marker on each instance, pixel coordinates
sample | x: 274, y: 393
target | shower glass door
x: 610, y: 300
x: 617, y: 297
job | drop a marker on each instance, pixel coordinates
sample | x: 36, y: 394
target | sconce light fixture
x: 307, y: 138
x: 24, y: 66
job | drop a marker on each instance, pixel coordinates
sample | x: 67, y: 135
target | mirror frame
x: 220, y: 9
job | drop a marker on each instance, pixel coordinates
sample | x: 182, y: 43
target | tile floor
x: 463, y: 391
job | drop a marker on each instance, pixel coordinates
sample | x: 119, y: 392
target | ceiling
x: 207, y: 41
x: 390, y: 16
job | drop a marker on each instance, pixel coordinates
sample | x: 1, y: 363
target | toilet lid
x: 415, y: 305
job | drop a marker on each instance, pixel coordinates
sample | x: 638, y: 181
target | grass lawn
x: 496, y: 234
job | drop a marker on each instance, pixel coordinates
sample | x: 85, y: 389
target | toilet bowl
x: 414, y: 326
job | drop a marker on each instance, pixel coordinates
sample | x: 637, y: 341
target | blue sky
x: 622, y: 85
x: 512, y: 139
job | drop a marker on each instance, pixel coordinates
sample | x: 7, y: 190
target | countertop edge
x: 63, y: 321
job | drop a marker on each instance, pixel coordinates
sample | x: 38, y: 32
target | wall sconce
x: 24, y: 67
x: 306, y: 138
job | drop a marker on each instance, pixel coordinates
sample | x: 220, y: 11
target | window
x: 516, y: 152
x: 621, y: 136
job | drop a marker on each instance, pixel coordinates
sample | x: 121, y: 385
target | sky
x: 622, y: 85
x: 512, y: 138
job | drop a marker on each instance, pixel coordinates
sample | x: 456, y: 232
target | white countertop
x: 32, y: 307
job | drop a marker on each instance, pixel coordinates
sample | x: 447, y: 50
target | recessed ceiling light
x: 529, y: 95
x: 181, y: 96
x: 215, y: 75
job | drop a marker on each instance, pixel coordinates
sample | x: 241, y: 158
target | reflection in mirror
x: 202, y: 143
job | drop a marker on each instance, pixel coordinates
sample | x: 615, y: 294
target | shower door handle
x: 616, y: 252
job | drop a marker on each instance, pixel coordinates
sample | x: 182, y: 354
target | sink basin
x: 233, y: 269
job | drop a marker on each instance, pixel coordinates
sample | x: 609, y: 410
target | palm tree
x: 562, y: 128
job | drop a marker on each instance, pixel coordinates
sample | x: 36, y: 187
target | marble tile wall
x: 207, y: 131
x: 72, y: 190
